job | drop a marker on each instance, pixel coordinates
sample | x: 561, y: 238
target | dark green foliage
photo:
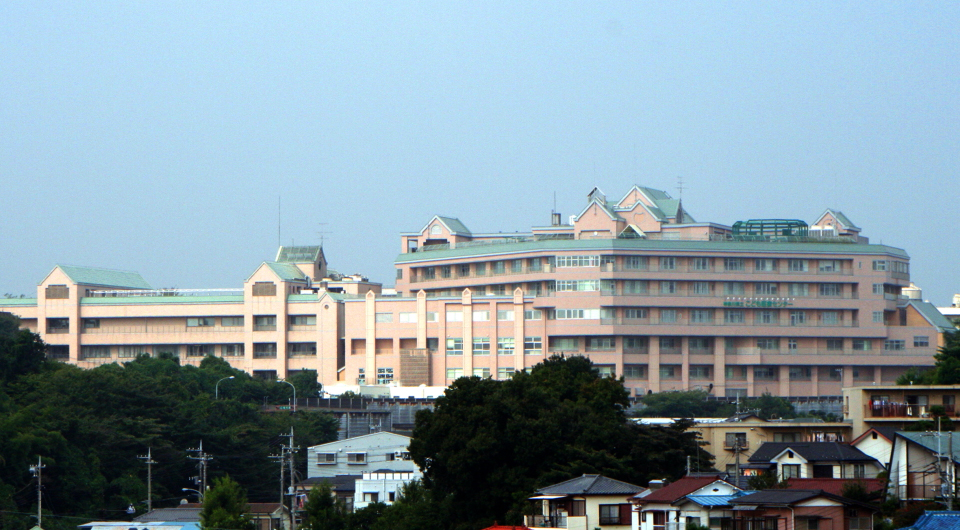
x: 938, y: 420
x: 766, y: 481
x: 414, y: 509
x: 909, y: 514
x: 225, y: 507
x: 857, y: 491
x: 487, y: 445
x: 90, y: 426
x: 323, y: 511
x: 21, y: 352
x: 694, y: 404
x: 946, y: 368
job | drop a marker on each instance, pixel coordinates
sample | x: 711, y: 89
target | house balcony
x: 545, y: 521
x: 903, y: 411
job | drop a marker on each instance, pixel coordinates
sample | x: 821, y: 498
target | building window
x: 302, y: 349
x: 578, y: 261
x: 200, y: 322
x: 798, y: 318
x: 454, y: 316
x: 532, y: 314
x: 829, y: 265
x: 733, y: 316
x: 265, y: 375
x: 505, y: 372
x: 765, y: 265
x: 636, y: 263
x: 668, y: 263
x: 703, y: 288
x: 480, y: 269
x: 428, y: 273
x: 610, y: 514
x: 670, y: 345
x: 58, y: 325
x: 798, y: 289
x: 789, y: 471
x: 91, y: 323
x: 635, y: 287
x: 834, y: 344
x: 668, y: 287
x: 733, y: 289
x: 57, y: 292
x: 383, y: 318
x: 733, y: 264
x: 505, y: 345
x: 862, y: 344
x: 454, y: 346
x: 94, y: 352
x: 765, y: 288
x: 481, y: 345
x: 264, y: 350
x: 668, y: 316
x: 408, y: 317
x: 792, y: 344
x: 894, y: 345
x: 231, y: 350
x: 701, y: 316
x: 700, y: 345
x: 921, y: 341
x: 767, y: 317
x: 830, y: 289
x: 446, y: 272
x: 505, y: 315
x: 264, y: 289
x: 606, y: 370
x: 765, y: 373
x: 199, y: 350
x: 384, y: 376
x: 356, y: 458
x: 797, y: 265
x: 231, y: 322
x: 701, y: 264
x: 670, y: 372
x: 736, y: 373
x: 635, y: 344
x: 324, y: 459
x: 701, y: 372
x: 768, y: 344
x: 822, y: 471
x: 878, y: 317
x: 830, y: 318
x: 635, y: 371
x: 454, y: 373
x: 879, y: 265
x: 303, y: 320
x: 481, y: 316
x: 265, y: 323
x: 361, y: 376
x: 532, y: 345
x: 58, y: 352
x: 634, y: 313
x: 800, y: 373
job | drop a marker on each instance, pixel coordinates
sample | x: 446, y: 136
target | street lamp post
x: 198, y: 492
x: 294, y: 392
x: 216, y: 392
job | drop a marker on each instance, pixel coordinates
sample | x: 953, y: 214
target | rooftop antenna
x: 322, y: 232
x: 680, y: 187
x: 279, y: 242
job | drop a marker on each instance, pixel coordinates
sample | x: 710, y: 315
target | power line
x: 149, y: 462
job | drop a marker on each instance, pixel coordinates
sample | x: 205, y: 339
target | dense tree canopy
x: 487, y: 445
x: 694, y: 404
x: 90, y: 425
x: 225, y: 507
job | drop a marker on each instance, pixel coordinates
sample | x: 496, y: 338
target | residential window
x: 94, y: 352
x: 789, y: 471
x: 498, y: 290
x: 131, y: 351
x: 356, y: 458
x: 634, y: 313
x: 606, y: 370
x: 428, y: 273
x: 303, y: 320
x: 601, y: 344
x: 669, y: 372
x: 829, y: 265
x: 701, y: 316
x: 701, y: 372
x: 792, y: 344
x: 668, y: 263
x: 921, y: 341
x: 324, y: 459
x: 668, y: 287
x: 701, y: 264
x: 481, y: 345
x: 822, y: 471
x: 798, y: 289
x: 701, y: 288
x: 768, y: 344
x: 361, y: 377
x: 879, y: 265
x: 767, y: 317
x: 800, y: 373
x: 384, y: 318
x: 878, y: 317
x: 668, y: 316
x: 830, y: 289
x: 635, y: 287
x: 765, y: 265
x: 636, y: 262
x: 733, y: 288
x: 202, y: 322
x: 399, y: 274
x: 765, y: 373
x: 407, y: 317
x: 481, y: 316
x: 736, y: 373
x: 480, y: 269
x: 384, y: 376
x: 670, y: 345
x: 532, y: 314
x: 610, y: 514
x: 455, y: 346
x: 454, y: 316
x: 464, y: 270
x: 505, y: 345
x: 834, y: 344
x: 516, y: 266
x: 231, y: 350
x: 797, y: 265
x: 505, y: 372
x: 733, y: 264
x: 878, y: 289
x: 264, y: 350
x: 894, y: 345
x: 57, y: 292
x: 534, y: 265
x: 265, y: 323
x: 862, y: 344
x: 765, y: 288
x: 635, y: 371
x: 231, y: 322
x: 199, y: 350
x: 302, y: 349
x: 532, y: 345
x: 433, y: 316
x: 733, y: 316
x: 505, y: 315
x: 454, y: 373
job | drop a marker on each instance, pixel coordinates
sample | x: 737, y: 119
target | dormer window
x: 789, y: 454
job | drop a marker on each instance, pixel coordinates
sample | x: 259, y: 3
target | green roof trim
x: 933, y: 315
x: 17, y: 302
x: 105, y: 277
x: 286, y: 271
x: 758, y: 247
x: 148, y: 300
x: 308, y: 254
x: 310, y: 297
x: 454, y: 225
x: 844, y: 219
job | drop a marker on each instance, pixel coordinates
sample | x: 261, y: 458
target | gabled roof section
x: 811, y: 452
x: 679, y: 489
x: 591, y: 485
x: 887, y: 432
x: 391, y: 436
x: 613, y: 215
x: 840, y: 217
x: 936, y: 520
x: 287, y: 272
x: 454, y: 226
x: 104, y: 277
x: 932, y: 315
x: 299, y: 254
x: 929, y: 442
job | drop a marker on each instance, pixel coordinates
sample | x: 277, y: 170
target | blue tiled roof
x: 936, y: 520
x: 712, y: 500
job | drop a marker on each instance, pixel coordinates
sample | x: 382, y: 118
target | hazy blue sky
x: 158, y: 136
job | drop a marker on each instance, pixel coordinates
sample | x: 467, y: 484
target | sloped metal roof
x: 105, y: 277
x: 591, y: 485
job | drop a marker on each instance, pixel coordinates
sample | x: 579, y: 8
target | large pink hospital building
x: 634, y: 283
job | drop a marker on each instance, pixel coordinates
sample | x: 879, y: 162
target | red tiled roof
x: 678, y: 489
x: 832, y: 485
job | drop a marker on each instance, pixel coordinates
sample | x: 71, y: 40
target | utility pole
x: 37, y: 471
x: 287, y: 457
x: 203, y: 458
x: 149, y: 461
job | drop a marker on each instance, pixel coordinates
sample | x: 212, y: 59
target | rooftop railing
x: 137, y: 293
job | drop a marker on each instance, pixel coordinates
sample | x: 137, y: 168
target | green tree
x: 487, y: 445
x: 305, y: 381
x: 21, y: 352
x: 414, y: 509
x: 695, y: 404
x: 225, y: 507
x: 766, y: 481
x: 322, y: 510
x: 946, y: 366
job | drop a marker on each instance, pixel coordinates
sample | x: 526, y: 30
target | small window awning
x: 745, y: 507
x: 548, y: 497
